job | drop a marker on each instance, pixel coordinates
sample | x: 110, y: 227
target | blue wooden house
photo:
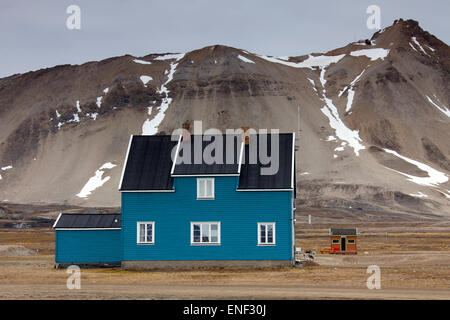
x: 182, y: 215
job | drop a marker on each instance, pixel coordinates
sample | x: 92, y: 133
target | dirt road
x: 213, y: 291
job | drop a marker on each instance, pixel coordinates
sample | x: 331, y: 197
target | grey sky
x: 33, y: 34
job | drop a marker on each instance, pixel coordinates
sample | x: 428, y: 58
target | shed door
x: 343, y: 244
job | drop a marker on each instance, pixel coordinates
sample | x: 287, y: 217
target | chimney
x: 245, y: 135
x: 186, y: 131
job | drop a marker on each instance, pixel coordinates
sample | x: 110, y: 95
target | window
x: 205, y: 232
x: 266, y: 233
x: 336, y: 241
x: 145, y: 232
x: 205, y: 188
x: 351, y: 241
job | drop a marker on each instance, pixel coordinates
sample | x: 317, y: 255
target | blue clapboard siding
x: 238, y: 212
x: 88, y: 246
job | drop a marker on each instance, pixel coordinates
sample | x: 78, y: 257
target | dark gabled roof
x: 202, y: 168
x: 149, y: 163
x: 343, y: 232
x: 87, y: 221
x: 251, y: 177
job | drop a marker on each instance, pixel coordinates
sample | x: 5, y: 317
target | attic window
x: 205, y: 188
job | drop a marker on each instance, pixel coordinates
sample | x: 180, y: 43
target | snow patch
x: 92, y: 115
x: 76, y: 118
x: 331, y: 138
x: 170, y: 56
x: 150, y: 127
x: 145, y: 79
x: 434, y: 178
x: 342, y: 131
x: 418, y: 44
x: 432, y: 49
x: 7, y: 168
x: 141, y: 61
x: 373, y: 54
x: 419, y: 195
x: 99, y: 102
x: 57, y: 114
x: 442, y: 109
x: 245, y: 59
x: 95, y: 181
x: 106, y: 90
x: 310, y: 62
x: 351, y: 92
x: 412, y: 46
x: 78, y: 106
x: 350, y: 96
x: 331, y: 112
x: 313, y: 84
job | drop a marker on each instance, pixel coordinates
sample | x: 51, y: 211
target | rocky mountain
x: 374, y: 119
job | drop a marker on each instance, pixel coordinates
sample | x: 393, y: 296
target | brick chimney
x: 245, y: 135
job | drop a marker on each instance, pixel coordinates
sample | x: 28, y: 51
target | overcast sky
x: 33, y: 34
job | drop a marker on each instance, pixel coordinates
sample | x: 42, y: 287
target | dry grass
x: 40, y: 240
x: 409, y: 261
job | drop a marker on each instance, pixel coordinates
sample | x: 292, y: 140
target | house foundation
x: 197, y: 264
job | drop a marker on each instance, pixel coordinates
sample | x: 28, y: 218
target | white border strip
x: 263, y: 190
x: 125, y: 163
x: 57, y: 219
x: 293, y: 159
x: 171, y: 190
x: 176, y: 155
x: 205, y: 175
x: 240, y: 156
x: 93, y: 229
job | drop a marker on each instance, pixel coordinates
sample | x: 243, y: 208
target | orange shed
x: 343, y: 241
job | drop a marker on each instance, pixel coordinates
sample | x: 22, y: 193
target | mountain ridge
x: 75, y: 118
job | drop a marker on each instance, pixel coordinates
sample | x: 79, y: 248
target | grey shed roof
x: 88, y: 221
x: 343, y: 232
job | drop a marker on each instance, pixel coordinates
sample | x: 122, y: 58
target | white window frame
x: 205, y: 197
x: 206, y: 243
x: 138, y: 224
x: 274, y: 234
